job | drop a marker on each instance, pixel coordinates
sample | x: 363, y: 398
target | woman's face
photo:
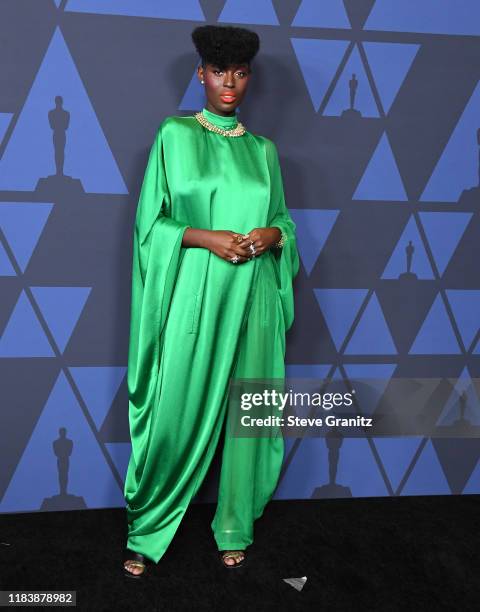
x: 225, y: 88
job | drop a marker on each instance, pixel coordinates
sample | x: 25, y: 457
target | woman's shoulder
x: 174, y: 126
x: 176, y: 123
x: 269, y: 146
x: 267, y: 142
x: 263, y: 140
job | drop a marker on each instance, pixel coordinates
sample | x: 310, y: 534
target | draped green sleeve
x: 286, y: 258
x: 157, y: 242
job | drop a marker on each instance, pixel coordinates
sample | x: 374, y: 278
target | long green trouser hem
x: 250, y: 466
x: 248, y: 477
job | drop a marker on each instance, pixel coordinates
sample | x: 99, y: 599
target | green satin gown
x: 197, y: 321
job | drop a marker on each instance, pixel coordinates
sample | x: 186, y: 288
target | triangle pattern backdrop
x: 98, y: 386
x: 5, y: 119
x: 428, y: 16
x: 321, y: 14
x: 259, y: 12
x: 22, y: 223
x: 23, y: 335
x: 319, y: 60
x: 29, y: 154
x: 398, y: 262
x: 452, y: 411
x: 364, y: 100
x: 390, y: 64
x: 162, y: 9
x: 381, y: 180
x: 61, y: 307
x: 352, y: 327
x: 77, y: 446
x: 313, y: 229
x: 458, y: 167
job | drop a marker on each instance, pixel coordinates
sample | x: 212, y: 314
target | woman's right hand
x: 224, y: 243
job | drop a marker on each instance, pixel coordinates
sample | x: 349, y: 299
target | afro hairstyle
x: 225, y: 45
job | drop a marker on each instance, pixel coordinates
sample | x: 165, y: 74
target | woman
x: 214, y: 256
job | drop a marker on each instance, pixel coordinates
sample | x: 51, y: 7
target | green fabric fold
x: 286, y: 257
x: 157, y: 253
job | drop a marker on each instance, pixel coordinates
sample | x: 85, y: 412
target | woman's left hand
x: 262, y: 238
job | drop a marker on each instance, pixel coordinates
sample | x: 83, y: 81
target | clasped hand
x: 226, y: 244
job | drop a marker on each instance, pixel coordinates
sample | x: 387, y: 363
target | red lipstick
x: 228, y: 98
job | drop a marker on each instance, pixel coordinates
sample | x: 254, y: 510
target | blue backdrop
x: 375, y: 109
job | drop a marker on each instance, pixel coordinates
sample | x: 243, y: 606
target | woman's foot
x: 135, y: 565
x: 232, y: 558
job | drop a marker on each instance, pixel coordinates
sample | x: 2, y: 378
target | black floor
x: 410, y: 553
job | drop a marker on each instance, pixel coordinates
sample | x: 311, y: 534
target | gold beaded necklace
x: 232, y: 133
